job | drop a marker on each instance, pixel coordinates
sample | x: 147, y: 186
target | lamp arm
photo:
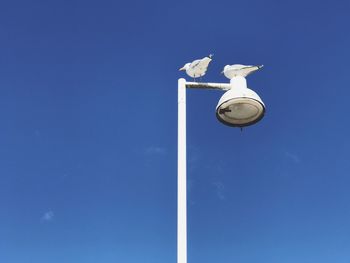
x: 208, y: 85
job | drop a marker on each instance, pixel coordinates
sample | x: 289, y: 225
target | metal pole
x: 181, y: 163
x: 208, y: 85
x: 181, y: 175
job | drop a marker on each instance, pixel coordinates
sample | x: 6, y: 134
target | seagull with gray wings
x: 231, y: 71
x: 197, y: 68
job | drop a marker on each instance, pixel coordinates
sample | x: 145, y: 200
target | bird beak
x: 183, y: 68
x: 222, y: 72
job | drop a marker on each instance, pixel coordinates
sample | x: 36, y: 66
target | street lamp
x: 238, y: 107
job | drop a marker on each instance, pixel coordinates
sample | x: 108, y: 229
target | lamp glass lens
x: 240, y: 112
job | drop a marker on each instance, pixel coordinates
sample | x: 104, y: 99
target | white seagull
x: 197, y: 68
x: 231, y: 71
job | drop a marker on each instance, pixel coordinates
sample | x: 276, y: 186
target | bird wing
x: 198, y: 67
x: 194, y: 69
x: 250, y: 69
x: 240, y: 70
x: 202, y: 66
x: 195, y: 63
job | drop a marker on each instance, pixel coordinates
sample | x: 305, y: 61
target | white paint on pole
x: 181, y: 175
x: 238, y: 82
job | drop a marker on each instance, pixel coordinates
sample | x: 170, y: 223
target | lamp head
x: 240, y: 107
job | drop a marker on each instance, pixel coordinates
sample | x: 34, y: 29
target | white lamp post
x: 238, y: 107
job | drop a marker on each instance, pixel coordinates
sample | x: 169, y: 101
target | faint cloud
x: 293, y: 157
x: 220, y: 190
x: 191, y: 185
x: 48, y: 216
x: 193, y: 157
x: 289, y: 164
x: 37, y: 133
x: 155, y: 150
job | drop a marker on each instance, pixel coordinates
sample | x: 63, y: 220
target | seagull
x: 231, y: 71
x: 197, y: 68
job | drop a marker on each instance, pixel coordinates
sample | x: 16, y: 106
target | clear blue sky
x: 88, y: 110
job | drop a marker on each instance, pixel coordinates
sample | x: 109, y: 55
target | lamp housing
x: 240, y: 106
